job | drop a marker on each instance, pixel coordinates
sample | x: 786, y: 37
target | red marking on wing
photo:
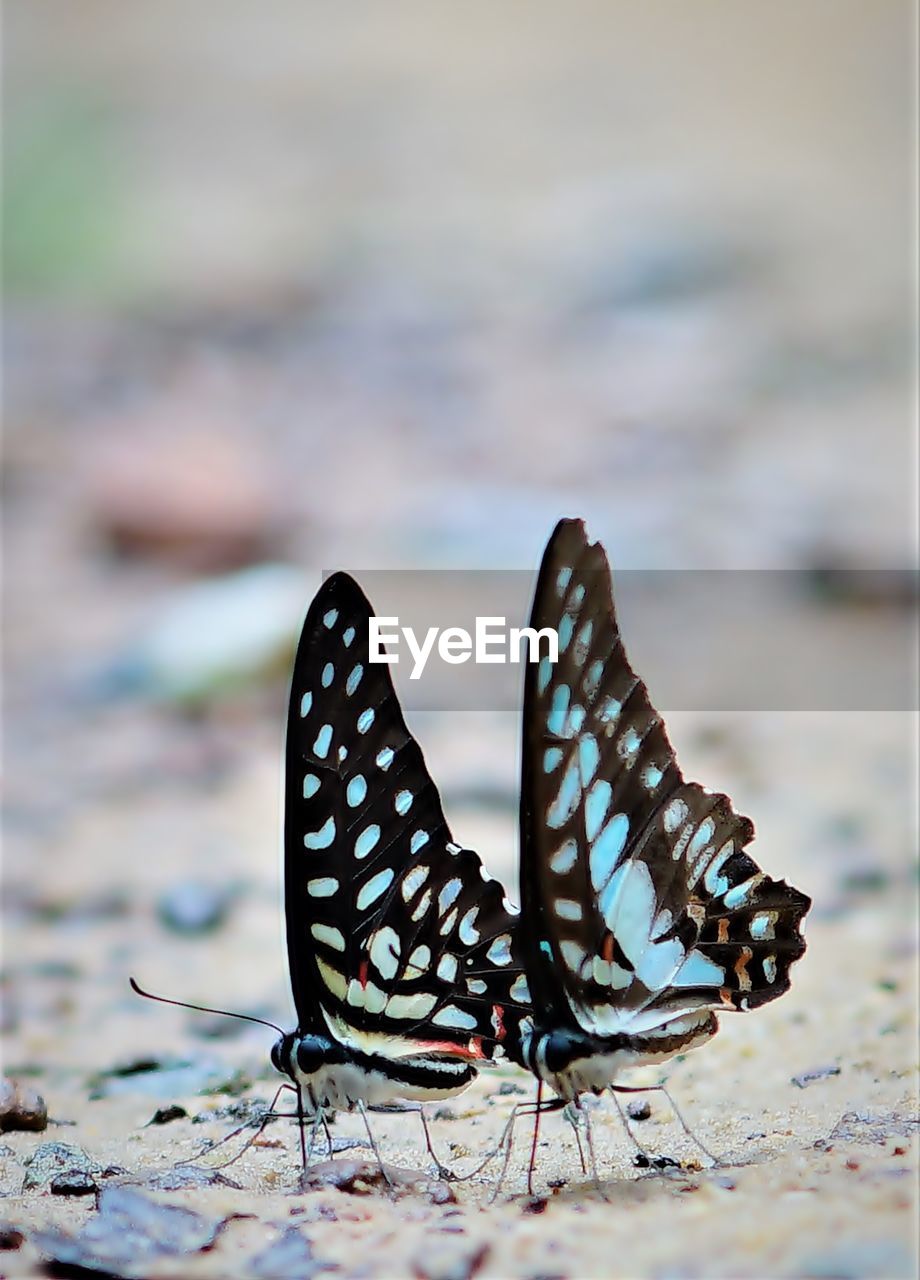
x: 607, y: 947
x: 498, y: 1021
x: 472, y: 1051
x: 362, y: 974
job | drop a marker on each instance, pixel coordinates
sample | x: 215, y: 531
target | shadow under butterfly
x: 401, y: 947
x: 641, y: 913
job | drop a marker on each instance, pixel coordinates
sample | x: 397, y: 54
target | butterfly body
x: 573, y: 1062
x: 333, y: 1076
x: 642, y: 913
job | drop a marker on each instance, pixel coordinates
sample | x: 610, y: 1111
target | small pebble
x: 508, y: 1089
x: 447, y: 1262
x: 192, y: 907
x: 639, y: 1109
x: 806, y: 1078
x: 75, y: 1182
x: 53, y: 1160
x: 21, y: 1107
x: 163, y: 1115
x: 10, y: 1238
x: 536, y: 1204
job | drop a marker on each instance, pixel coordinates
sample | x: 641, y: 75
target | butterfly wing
x: 396, y: 936
x: 643, y: 903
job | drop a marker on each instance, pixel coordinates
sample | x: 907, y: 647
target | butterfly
x: 642, y: 915
x: 401, y: 947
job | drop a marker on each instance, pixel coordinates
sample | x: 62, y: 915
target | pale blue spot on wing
x: 306, y: 702
x: 520, y: 990
x: 567, y: 798
x: 310, y: 785
x: 356, y: 791
x: 385, y: 758
x: 698, y: 971
x: 607, y: 901
x: 546, y: 948
x: 563, y: 859
x: 658, y: 963
x: 365, y: 720
x: 575, y: 721
x: 329, y: 619
x: 560, y: 705
x: 551, y: 759
x: 544, y: 673
x: 610, y: 711
x: 328, y: 675
x: 593, y: 677
x: 590, y: 757
x: 631, y: 920
x: 367, y: 840
x: 566, y: 627
x: 500, y: 950
x: 702, y: 836
x: 354, y: 679
x: 563, y: 578
x: 651, y: 776
x: 375, y: 887
x: 323, y: 838
x: 738, y: 896
x: 348, y: 635
x: 607, y: 849
x: 323, y: 739
x: 763, y: 926
x: 449, y: 895
x: 403, y: 802
x: 629, y: 744
x: 596, y: 806
x: 418, y: 841
x: 583, y: 642
x: 713, y: 882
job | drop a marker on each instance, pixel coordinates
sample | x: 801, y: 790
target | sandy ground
x: 411, y: 299
x: 819, y: 1180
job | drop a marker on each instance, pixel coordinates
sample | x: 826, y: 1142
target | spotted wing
x: 395, y: 935
x: 639, y: 900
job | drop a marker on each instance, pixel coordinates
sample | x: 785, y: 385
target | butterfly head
x: 303, y: 1055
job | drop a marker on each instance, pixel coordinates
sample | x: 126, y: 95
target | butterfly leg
x: 686, y: 1128
x: 266, y: 1117
x: 640, y: 1150
x: 589, y: 1138
x: 318, y: 1119
x: 536, y: 1130
x: 572, y: 1116
x: 659, y: 1088
x: 330, y: 1149
x: 376, y: 1150
x: 445, y: 1174
x: 506, y: 1140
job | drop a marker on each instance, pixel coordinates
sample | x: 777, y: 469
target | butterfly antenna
x: 203, y: 1008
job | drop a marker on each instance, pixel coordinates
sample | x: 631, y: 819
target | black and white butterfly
x: 401, y: 947
x: 642, y: 914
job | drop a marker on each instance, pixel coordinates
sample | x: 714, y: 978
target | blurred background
x: 292, y: 287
